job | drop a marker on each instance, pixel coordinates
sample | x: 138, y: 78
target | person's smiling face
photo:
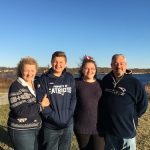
x: 119, y: 66
x: 29, y: 72
x: 58, y: 65
x: 89, y: 70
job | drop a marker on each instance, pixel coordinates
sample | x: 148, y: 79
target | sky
x: 98, y: 28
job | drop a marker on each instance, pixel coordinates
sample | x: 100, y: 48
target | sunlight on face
x: 29, y: 72
x: 119, y: 66
x: 58, y: 65
x: 89, y: 70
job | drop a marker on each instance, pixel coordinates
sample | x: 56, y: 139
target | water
x: 8, y: 75
x: 143, y: 78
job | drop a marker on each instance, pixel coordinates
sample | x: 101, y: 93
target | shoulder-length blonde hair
x: 26, y: 60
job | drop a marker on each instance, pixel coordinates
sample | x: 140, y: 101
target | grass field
x: 5, y: 143
x: 143, y: 132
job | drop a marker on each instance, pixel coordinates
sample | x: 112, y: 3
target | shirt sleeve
x: 142, y: 101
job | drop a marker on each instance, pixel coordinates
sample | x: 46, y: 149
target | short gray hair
x: 117, y: 55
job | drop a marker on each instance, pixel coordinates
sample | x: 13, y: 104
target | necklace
x: 116, y: 80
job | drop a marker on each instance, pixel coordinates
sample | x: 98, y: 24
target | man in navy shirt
x: 123, y: 102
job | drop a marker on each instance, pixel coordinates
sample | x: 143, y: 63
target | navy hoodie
x: 62, y: 95
x: 122, y: 103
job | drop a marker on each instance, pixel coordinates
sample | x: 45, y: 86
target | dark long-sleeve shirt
x: 86, y: 112
x: 122, y: 103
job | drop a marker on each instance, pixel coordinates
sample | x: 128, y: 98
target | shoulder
x: 78, y: 80
x: 43, y: 76
x: 15, y: 86
x: 68, y: 75
x: 107, y: 76
x: 134, y: 81
x: 99, y: 80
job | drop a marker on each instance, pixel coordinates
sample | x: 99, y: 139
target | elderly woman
x: 24, y: 120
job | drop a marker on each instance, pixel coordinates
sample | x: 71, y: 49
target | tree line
x: 76, y: 70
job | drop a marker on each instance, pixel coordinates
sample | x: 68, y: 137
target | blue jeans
x: 24, y: 139
x: 57, y: 139
x: 115, y: 143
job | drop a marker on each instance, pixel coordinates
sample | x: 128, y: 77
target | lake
x: 144, y: 78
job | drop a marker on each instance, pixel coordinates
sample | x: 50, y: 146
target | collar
x: 24, y: 83
x: 50, y: 73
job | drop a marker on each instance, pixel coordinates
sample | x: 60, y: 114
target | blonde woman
x: 24, y: 121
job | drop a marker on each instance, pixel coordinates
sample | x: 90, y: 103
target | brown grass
x: 147, y: 89
x: 5, y: 82
x: 143, y: 131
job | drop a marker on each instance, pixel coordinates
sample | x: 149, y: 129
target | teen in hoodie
x: 24, y: 121
x: 124, y: 101
x: 59, y: 86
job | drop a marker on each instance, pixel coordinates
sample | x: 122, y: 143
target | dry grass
x: 147, y: 89
x: 143, y: 131
x: 5, y: 82
x: 5, y: 143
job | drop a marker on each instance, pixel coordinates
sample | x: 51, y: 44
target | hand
x: 45, y: 101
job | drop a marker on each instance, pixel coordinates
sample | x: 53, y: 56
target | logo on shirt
x: 119, y: 91
x: 122, y: 89
x: 22, y: 120
x: 60, y: 89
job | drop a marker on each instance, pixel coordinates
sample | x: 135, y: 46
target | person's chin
x: 120, y: 74
x: 58, y: 70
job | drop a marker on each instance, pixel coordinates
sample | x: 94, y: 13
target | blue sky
x: 99, y: 28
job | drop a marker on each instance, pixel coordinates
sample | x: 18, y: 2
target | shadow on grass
x: 4, y: 138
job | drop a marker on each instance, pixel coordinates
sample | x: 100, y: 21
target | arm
x: 142, y: 101
x: 45, y: 102
x: 41, y: 92
x: 72, y: 101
